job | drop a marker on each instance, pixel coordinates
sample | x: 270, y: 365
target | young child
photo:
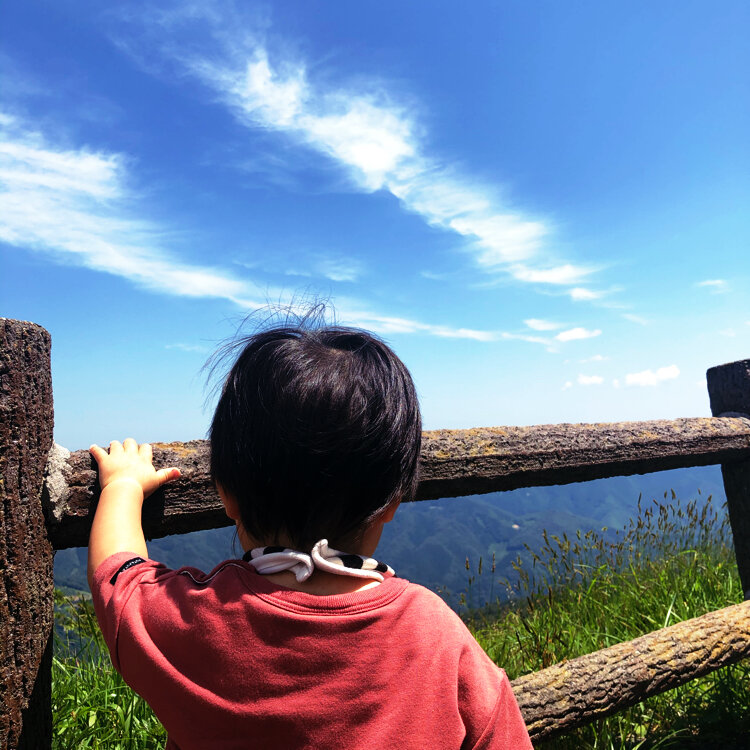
x: 314, y: 443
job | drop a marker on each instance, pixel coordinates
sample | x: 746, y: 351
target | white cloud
x: 565, y: 274
x: 542, y: 325
x: 716, y: 286
x: 594, y: 358
x: 577, y: 333
x: 728, y: 332
x: 582, y: 294
x: 649, y: 377
x: 526, y: 337
x: 433, y: 276
x: 616, y: 383
x: 386, y: 324
x: 373, y: 137
x: 74, y: 204
x: 635, y: 319
x: 590, y: 380
x: 334, y: 269
x: 568, y: 385
x: 190, y: 348
x: 339, y: 269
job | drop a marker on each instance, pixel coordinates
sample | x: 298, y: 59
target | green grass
x: 91, y: 705
x: 572, y: 596
x: 578, y: 595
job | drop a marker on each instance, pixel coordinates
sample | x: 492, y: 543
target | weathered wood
x: 464, y: 462
x: 729, y: 393
x: 453, y: 463
x: 190, y: 504
x: 737, y: 488
x: 729, y: 388
x: 26, y: 601
x: 567, y: 695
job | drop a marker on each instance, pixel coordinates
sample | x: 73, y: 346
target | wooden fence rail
x: 43, y: 510
x: 575, y: 692
x: 453, y: 463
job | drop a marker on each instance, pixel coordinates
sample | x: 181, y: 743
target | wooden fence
x: 48, y: 496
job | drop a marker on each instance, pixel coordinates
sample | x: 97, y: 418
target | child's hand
x: 127, y: 462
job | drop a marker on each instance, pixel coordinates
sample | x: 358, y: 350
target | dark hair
x: 317, y: 431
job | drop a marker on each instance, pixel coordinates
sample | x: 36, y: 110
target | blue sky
x: 542, y: 206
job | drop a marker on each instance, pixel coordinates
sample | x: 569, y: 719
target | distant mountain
x: 428, y: 542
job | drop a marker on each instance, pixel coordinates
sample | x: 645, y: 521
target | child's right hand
x: 129, y: 462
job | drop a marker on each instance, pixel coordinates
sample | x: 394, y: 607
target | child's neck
x: 321, y: 583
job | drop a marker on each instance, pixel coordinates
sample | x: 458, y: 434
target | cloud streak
x: 536, y: 324
x: 590, y: 379
x: 581, y: 294
x: 577, y: 333
x: 652, y: 377
x: 715, y: 286
x: 73, y: 204
x: 377, y: 142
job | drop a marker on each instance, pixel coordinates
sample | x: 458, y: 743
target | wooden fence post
x: 26, y: 585
x: 729, y: 392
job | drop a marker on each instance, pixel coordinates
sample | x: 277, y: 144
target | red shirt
x: 231, y: 660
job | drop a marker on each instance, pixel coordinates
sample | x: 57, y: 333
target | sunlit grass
x: 577, y: 595
x: 91, y: 704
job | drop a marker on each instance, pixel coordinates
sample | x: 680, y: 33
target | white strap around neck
x: 267, y: 560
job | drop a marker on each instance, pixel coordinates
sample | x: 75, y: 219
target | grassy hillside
x: 671, y: 563
x: 569, y: 595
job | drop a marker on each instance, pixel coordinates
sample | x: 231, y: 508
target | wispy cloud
x: 74, y: 204
x: 590, y: 379
x: 579, y: 294
x: 433, y: 276
x: 374, y: 138
x: 577, y: 333
x: 635, y: 319
x: 526, y: 337
x: 594, y: 358
x: 387, y: 324
x: 652, y: 377
x: 537, y: 324
x: 333, y: 269
x: 339, y: 270
x: 189, y: 348
x: 715, y: 286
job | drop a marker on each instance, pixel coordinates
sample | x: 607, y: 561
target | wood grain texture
x: 729, y: 392
x: 567, y: 695
x: 737, y: 487
x: 26, y: 600
x: 453, y: 463
x: 729, y: 388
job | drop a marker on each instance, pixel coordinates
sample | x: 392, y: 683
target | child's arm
x: 126, y: 476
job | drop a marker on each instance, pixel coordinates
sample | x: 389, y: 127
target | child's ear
x: 231, y: 507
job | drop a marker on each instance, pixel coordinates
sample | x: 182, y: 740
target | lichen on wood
x: 453, y: 463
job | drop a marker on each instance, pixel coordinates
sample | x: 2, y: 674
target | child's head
x: 317, y: 432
